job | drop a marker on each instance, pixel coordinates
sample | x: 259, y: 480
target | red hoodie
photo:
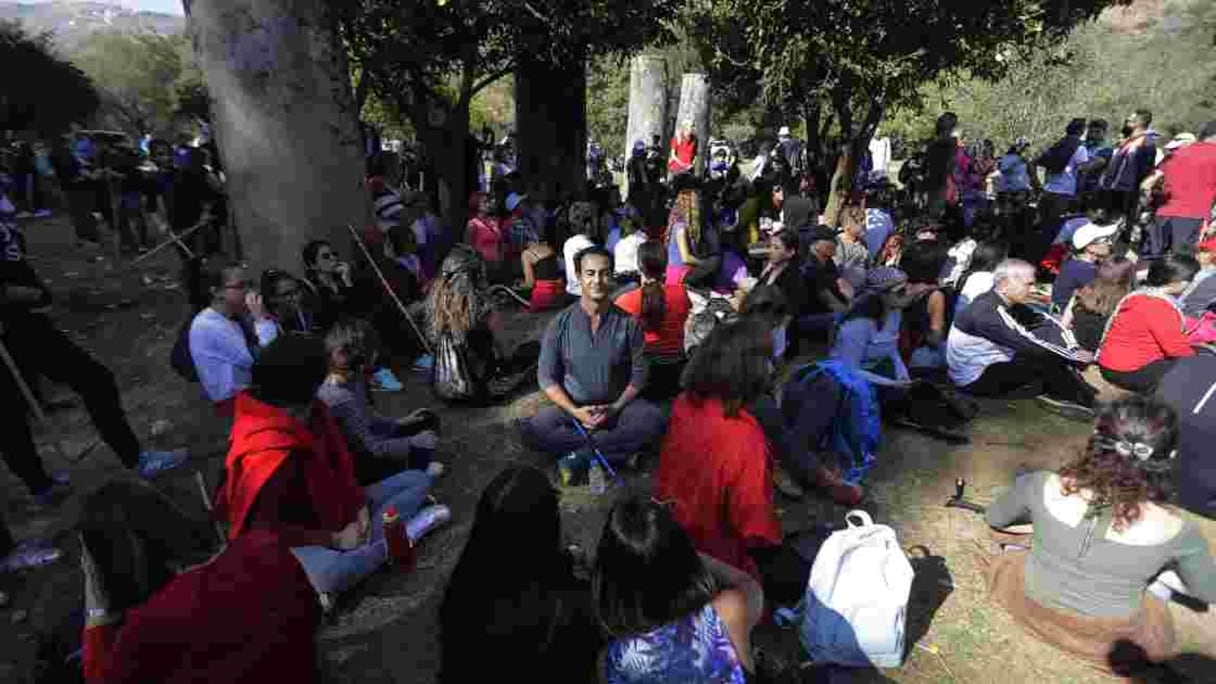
x: 1145, y: 328
x: 263, y: 440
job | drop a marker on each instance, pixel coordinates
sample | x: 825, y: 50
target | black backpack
x: 1056, y: 158
x: 179, y: 356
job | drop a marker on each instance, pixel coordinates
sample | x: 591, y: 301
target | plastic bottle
x: 400, y: 547
x: 595, y: 479
x: 568, y: 469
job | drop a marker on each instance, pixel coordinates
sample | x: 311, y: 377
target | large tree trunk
x: 285, y: 121
x: 444, y: 132
x: 694, y: 107
x: 551, y: 129
x: 856, y: 142
x: 647, y: 103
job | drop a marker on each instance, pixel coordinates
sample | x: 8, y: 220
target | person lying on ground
x: 661, y: 310
x: 998, y: 345
x: 1093, y: 304
x: 39, y: 349
x: 162, y: 602
x: 1091, y: 245
x: 1102, y: 528
x: 533, y: 616
x: 1146, y: 333
x: 671, y: 614
x: 225, y: 336
x: 1201, y: 294
x: 290, y: 471
x: 593, y: 368
x: 714, y: 465
x: 382, y: 446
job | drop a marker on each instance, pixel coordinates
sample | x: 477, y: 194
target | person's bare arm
x: 1066, y: 318
x: 528, y: 261
x: 731, y: 607
x: 731, y: 577
x: 937, y: 319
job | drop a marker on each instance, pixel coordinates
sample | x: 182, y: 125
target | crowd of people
x: 679, y: 304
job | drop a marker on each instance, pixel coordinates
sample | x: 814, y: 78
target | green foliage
x: 864, y: 55
x: 1104, y: 69
x: 608, y: 101
x: 39, y: 91
x: 145, y: 79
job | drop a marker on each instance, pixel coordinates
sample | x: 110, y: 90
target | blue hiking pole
x: 595, y: 449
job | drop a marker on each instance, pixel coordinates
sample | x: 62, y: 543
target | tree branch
x: 493, y: 76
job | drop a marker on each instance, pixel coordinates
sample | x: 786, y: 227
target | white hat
x: 1180, y: 140
x: 784, y: 130
x: 1091, y: 231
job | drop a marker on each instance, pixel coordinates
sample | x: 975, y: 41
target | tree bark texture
x: 853, y: 148
x: 551, y: 129
x: 285, y: 121
x: 694, y: 107
x: 647, y: 102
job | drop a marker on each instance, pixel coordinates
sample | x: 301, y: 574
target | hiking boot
x: 53, y: 495
x: 1063, y: 407
x: 383, y: 380
x: 154, y: 463
x: 29, y: 554
x: 842, y: 492
x: 786, y: 484
x: 426, y: 520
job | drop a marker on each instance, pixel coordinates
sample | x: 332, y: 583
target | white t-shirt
x: 625, y: 254
x: 574, y: 245
x: 1065, y: 182
x: 976, y: 284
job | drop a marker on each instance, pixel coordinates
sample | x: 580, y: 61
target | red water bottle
x: 400, y: 546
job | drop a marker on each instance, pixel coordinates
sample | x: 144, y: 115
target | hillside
x: 72, y: 22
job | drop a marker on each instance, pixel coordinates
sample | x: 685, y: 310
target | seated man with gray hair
x: 998, y: 344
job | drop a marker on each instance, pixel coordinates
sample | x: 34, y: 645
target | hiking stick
x: 510, y: 293
x: 599, y: 456
x: 35, y: 407
x: 389, y: 289
x: 173, y: 237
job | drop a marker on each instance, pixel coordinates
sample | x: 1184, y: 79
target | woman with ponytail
x: 662, y: 308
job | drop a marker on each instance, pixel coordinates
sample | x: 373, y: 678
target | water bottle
x: 400, y: 548
x: 568, y: 467
x: 426, y: 520
x: 595, y: 479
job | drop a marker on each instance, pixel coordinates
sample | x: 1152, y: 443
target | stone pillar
x: 551, y: 129
x: 694, y: 107
x: 285, y: 121
x: 647, y: 104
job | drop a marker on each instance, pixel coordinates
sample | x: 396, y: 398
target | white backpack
x: 857, y: 598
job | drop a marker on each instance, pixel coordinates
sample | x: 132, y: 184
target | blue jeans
x: 331, y: 570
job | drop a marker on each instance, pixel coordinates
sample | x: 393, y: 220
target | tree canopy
x: 145, y: 79
x: 40, y: 91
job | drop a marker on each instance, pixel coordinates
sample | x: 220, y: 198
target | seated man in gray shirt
x: 591, y: 366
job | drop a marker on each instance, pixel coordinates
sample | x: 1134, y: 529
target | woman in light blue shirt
x: 868, y: 338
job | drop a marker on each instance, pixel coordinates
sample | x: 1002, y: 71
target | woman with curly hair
x: 684, y: 225
x: 1102, y: 530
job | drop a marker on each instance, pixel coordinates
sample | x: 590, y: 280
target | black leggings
x: 40, y: 349
x: 1048, y: 375
x: 1142, y: 380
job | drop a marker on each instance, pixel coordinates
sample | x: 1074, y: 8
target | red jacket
x: 249, y: 615
x: 1145, y: 328
x: 263, y: 438
x: 717, y: 472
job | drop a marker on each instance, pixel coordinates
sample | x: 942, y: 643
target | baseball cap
x: 784, y: 130
x: 1088, y: 233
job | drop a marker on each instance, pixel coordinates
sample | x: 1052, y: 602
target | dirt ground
x: 385, y: 631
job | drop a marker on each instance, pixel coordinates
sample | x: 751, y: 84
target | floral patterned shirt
x: 693, y: 650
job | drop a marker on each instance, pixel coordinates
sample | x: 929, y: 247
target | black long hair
x: 652, y: 261
x: 647, y: 572
x: 506, y: 594
x: 732, y: 366
x: 139, y: 540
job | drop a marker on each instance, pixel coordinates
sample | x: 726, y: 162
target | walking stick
x: 173, y: 237
x: 389, y: 289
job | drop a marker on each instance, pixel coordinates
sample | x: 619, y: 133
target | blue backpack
x: 828, y: 407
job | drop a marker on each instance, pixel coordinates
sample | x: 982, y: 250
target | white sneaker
x: 435, y: 469
x: 426, y: 520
